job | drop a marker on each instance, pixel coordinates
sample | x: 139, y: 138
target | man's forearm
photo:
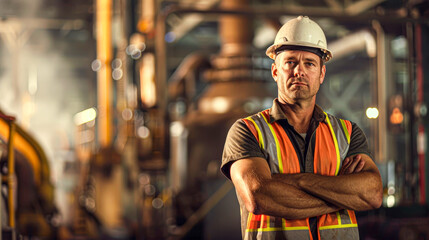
x: 287, y: 201
x: 358, y: 187
x: 359, y: 191
x: 302, y: 195
x: 282, y: 199
x: 264, y: 193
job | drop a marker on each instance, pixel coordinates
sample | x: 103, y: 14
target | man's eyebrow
x: 290, y: 58
x: 310, y: 60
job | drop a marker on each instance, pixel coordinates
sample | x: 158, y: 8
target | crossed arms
x: 295, y: 196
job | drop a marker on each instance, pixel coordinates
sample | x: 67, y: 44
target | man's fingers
x: 358, y: 157
x: 345, y: 166
x: 360, y: 166
x: 346, y: 161
x: 353, y: 164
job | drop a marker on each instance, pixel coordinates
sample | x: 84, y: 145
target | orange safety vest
x: 331, y: 146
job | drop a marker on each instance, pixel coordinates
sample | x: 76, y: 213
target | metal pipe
x: 234, y: 31
x: 421, y: 129
x: 381, y: 90
x: 104, y: 81
x: 361, y: 40
x: 409, y: 164
x: 10, y: 175
x: 161, y: 66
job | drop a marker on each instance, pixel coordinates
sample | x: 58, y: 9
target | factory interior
x: 114, y: 113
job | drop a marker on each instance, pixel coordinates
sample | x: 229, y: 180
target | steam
x: 44, y: 81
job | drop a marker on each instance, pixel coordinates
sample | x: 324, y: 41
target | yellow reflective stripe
x: 268, y: 221
x: 296, y: 228
x: 249, y: 217
x: 264, y: 230
x: 346, y: 131
x: 261, y: 140
x: 279, y: 153
x: 339, y: 218
x: 277, y: 229
x: 335, y: 143
x: 293, y: 228
x: 338, y: 226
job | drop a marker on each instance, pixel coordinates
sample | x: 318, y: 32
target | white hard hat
x: 301, y: 33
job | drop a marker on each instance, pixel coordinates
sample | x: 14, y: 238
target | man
x: 299, y: 172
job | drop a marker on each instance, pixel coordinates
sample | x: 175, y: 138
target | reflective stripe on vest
x: 332, y: 143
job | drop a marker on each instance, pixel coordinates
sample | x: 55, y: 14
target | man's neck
x: 298, y: 114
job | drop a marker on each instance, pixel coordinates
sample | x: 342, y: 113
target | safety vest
x: 331, y: 146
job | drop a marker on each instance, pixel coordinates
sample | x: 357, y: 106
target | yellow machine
x: 29, y: 200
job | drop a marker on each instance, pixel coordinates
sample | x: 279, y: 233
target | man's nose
x: 298, y: 71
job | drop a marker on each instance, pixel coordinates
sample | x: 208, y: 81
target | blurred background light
x: 372, y: 113
x: 85, y: 116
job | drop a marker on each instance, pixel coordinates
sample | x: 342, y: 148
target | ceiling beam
x: 361, y: 6
x: 190, y: 21
x: 334, y: 5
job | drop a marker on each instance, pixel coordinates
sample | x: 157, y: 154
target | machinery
x: 28, y: 207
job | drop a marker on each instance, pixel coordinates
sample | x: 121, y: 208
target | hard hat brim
x: 271, y: 50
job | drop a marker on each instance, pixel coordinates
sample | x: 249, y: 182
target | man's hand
x: 355, y: 188
x: 352, y: 164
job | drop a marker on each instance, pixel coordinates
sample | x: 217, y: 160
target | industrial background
x: 113, y: 113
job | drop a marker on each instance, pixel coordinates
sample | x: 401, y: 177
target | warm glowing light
x: 127, y: 114
x: 85, y: 116
x: 176, y: 129
x: 372, y: 113
x: 220, y: 104
x: 396, y: 117
x: 143, y: 132
x: 147, y: 80
x: 390, y: 201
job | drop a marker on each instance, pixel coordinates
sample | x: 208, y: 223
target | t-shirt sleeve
x: 358, y: 142
x: 240, y: 143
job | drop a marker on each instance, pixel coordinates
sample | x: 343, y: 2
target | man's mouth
x: 299, y: 83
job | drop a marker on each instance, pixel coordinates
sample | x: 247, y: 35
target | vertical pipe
x: 421, y: 129
x: 234, y: 30
x: 160, y: 129
x: 381, y: 90
x: 121, y: 83
x: 160, y: 60
x: 104, y: 82
x: 10, y: 176
x: 410, y: 165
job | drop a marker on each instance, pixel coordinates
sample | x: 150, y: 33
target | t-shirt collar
x: 276, y: 113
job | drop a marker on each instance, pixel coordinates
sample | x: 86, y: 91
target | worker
x: 299, y: 172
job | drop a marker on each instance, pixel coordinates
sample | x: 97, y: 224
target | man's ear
x: 322, y: 74
x: 274, y: 71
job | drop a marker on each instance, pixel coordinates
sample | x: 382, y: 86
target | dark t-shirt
x: 241, y: 143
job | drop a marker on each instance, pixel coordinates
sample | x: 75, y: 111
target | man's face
x: 298, y: 75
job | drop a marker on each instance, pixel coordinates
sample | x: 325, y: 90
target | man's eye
x: 311, y: 64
